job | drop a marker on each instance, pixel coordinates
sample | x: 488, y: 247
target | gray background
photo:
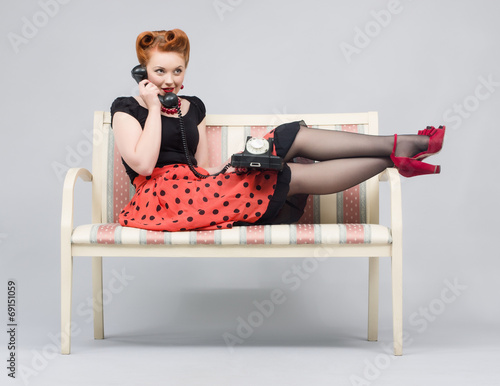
x: 419, y: 68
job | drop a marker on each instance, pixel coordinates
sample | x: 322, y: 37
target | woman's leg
x: 322, y: 145
x: 334, y: 176
x: 347, y: 159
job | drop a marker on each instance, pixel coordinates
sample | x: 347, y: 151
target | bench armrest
x: 68, y: 197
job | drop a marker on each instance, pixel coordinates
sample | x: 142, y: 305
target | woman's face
x: 166, y: 70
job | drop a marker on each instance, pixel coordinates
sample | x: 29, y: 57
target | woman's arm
x: 140, y: 148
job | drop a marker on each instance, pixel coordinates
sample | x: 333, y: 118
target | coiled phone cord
x: 186, y: 151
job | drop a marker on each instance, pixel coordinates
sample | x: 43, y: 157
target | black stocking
x: 334, y: 176
x: 347, y: 159
x: 322, y: 145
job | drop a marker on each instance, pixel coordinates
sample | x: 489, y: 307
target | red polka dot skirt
x: 174, y: 199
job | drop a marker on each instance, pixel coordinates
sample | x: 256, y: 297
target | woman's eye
x: 178, y: 71
x: 159, y: 71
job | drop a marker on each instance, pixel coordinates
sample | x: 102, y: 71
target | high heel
x: 411, y: 167
x: 436, y: 138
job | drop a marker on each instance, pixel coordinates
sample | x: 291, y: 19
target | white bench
x: 339, y: 225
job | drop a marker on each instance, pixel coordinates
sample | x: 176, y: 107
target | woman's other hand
x: 236, y: 170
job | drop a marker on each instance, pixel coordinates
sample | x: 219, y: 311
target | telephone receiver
x: 168, y: 100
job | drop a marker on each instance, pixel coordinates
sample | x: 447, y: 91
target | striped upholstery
x: 337, y: 218
x: 114, y: 233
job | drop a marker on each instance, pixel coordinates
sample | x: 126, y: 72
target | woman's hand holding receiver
x: 149, y: 94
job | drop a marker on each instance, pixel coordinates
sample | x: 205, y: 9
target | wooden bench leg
x: 66, y: 288
x: 397, y: 300
x: 97, y: 297
x: 373, y: 296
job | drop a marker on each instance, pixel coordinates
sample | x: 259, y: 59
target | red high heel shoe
x: 411, y: 167
x: 436, y: 138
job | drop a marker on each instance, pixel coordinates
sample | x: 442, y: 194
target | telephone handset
x: 168, y: 100
x: 257, y: 153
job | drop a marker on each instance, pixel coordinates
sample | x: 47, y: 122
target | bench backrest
x: 226, y: 135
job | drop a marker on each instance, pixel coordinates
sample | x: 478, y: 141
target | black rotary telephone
x: 257, y: 153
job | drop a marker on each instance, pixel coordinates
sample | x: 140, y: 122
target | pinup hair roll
x: 174, y: 40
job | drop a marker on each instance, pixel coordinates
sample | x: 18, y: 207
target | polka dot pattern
x: 255, y: 234
x: 174, y: 199
x: 305, y: 234
x: 351, y: 205
x: 355, y: 234
x: 154, y: 237
x: 205, y: 237
x: 106, y: 234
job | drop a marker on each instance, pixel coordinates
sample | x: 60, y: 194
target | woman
x: 170, y: 197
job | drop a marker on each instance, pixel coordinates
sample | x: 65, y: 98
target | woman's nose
x: 168, y: 80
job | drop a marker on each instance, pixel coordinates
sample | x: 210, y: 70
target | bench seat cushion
x: 113, y: 233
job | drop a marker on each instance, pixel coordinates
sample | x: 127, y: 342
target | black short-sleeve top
x: 171, y: 148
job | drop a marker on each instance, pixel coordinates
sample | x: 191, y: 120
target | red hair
x: 174, y: 40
